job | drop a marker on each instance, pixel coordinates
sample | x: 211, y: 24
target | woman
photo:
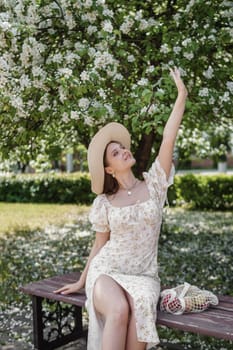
x: 121, y: 274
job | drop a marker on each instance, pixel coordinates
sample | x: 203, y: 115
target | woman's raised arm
x: 173, y: 123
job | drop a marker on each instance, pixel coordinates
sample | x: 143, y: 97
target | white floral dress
x: 130, y: 255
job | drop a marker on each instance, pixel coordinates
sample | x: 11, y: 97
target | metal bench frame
x: 57, y: 324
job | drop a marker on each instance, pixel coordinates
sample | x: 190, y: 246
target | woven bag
x: 186, y: 298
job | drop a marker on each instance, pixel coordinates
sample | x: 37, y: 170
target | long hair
x: 111, y: 185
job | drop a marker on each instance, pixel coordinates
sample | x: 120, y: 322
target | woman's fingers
x: 175, y: 73
x: 63, y: 290
x: 68, y: 288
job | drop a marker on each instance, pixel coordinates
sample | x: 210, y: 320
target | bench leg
x: 55, y: 324
x: 37, y: 322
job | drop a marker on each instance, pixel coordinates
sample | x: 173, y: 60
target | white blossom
x: 143, y: 24
x: 79, y: 46
x: 102, y: 93
x: 74, y: 115
x: 43, y: 107
x: 177, y: 49
x: 84, y: 103
x: 91, y: 51
x: 149, y: 110
x: 182, y: 71
x: 230, y: 86
x: 150, y: 69
x: 118, y: 76
x: 89, y: 17
x: 5, y: 25
x: 4, y: 66
x: 17, y: 102
x: 65, y: 117
x: 108, y: 106
x: 194, y: 25
x: 138, y: 15
x: 143, y: 82
x: 57, y: 58
x: 84, y: 76
x: 87, y: 3
x: 177, y: 17
x: 38, y: 72
x: 24, y: 81
x: 88, y: 120
x: 108, y: 13
x: 127, y: 25
x: 107, y: 26
x: 91, y: 29
x: 211, y: 100
x: 32, y: 15
x: 208, y: 74
x: 66, y: 72
x: 103, y: 59
x: 62, y: 94
x: 190, y: 5
x: 225, y: 97
x: 212, y: 37
x: 25, y: 55
x: 71, y: 57
x: 203, y: 92
x: 186, y: 42
x: 188, y: 55
x: 130, y: 58
x: 164, y: 48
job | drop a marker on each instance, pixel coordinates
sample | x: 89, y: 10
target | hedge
x: 212, y: 192
x: 46, y: 188
x: 195, y: 191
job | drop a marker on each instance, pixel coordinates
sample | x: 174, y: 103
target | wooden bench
x: 58, y: 319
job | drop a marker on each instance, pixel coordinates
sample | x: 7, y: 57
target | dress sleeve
x: 157, y: 181
x: 98, y: 215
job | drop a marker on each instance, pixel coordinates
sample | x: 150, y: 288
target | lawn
x: 195, y: 247
x: 16, y: 217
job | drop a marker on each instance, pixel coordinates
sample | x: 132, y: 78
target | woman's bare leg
x: 132, y: 342
x: 111, y: 302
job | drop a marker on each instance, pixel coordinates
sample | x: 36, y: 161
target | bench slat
x: 45, y: 288
x: 217, y: 321
x: 208, y: 323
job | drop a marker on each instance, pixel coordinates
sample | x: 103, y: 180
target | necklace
x: 129, y: 190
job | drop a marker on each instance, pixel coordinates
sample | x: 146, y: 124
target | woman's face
x: 118, y: 158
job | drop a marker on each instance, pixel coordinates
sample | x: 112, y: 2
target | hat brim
x: 110, y: 132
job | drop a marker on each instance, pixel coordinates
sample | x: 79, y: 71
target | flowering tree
x: 69, y: 66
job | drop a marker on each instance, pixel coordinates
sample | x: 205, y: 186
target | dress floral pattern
x: 130, y: 255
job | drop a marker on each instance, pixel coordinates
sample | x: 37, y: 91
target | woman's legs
x: 111, y: 302
x: 132, y: 342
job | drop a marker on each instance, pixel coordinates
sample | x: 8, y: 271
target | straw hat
x: 110, y: 132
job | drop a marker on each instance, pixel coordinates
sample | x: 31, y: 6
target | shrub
x: 213, y: 192
x: 47, y: 188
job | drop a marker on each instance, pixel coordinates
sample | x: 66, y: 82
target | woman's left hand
x: 175, y: 74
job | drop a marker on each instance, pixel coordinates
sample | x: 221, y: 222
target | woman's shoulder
x: 100, y: 200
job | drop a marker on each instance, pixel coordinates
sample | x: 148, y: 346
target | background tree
x: 69, y: 66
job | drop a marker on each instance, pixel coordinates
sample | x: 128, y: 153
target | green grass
x: 16, y: 217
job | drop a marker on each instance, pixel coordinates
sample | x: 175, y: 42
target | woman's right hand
x: 70, y: 288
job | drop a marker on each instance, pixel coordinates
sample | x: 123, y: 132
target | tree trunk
x: 143, y: 152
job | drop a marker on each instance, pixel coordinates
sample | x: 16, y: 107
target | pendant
x: 129, y: 193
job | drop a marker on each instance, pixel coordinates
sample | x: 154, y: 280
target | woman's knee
x: 110, y: 300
